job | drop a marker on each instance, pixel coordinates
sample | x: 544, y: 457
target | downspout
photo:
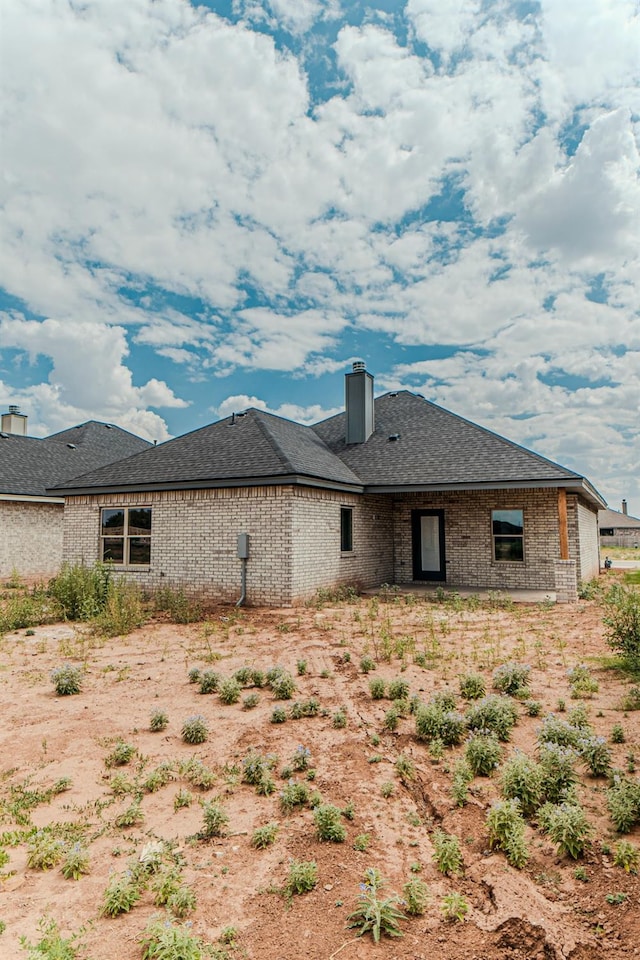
x: 243, y: 556
x: 243, y: 582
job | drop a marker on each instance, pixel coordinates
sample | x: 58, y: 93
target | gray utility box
x: 243, y: 546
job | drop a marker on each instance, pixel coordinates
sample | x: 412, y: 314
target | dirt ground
x: 554, y: 907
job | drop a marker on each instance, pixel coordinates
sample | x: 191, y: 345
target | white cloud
x: 290, y: 411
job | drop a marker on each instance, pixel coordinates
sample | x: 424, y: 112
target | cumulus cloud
x: 275, y: 189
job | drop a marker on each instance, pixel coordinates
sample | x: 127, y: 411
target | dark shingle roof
x: 250, y: 446
x: 434, y: 447
x: 28, y: 466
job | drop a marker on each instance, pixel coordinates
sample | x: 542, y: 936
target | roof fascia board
x: 581, y: 486
x: 277, y: 481
x: 25, y: 498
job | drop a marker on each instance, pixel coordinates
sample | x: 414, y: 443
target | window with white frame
x: 125, y: 535
x: 507, y: 528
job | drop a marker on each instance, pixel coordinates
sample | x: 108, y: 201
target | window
x: 507, y: 527
x: 346, y: 529
x: 606, y: 531
x: 126, y: 535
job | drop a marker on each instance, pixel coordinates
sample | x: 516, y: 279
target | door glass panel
x: 430, y: 542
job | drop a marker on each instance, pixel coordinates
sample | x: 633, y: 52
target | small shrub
x: 51, y: 945
x: 521, y: 779
x: 447, y: 853
x: 209, y: 681
x: 558, y: 771
x: 623, y: 802
x: 120, y: 755
x: 194, y: 675
x: 622, y: 622
x: 405, y: 767
x: 462, y: 777
x: 367, y: 664
x: 582, y: 683
x: 183, y: 798
x: 44, y: 851
x: 617, y: 733
x: 121, y: 895
x: 511, y: 678
x: 302, y: 877
x: 362, y: 842
x: 339, y: 719
x: 229, y: 691
x: 283, y: 686
x: 278, y: 715
x: 182, y: 902
x: 493, y: 714
x: 159, y: 721
x: 255, y: 767
x: 131, y: 817
x: 627, y: 856
x: 75, y: 862
x: 533, y: 708
x: 433, y: 722
x: 416, y: 896
x: 505, y: 825
x: 387, y: 789
x: 301, y: 667
x: 195, y: 729
x: 454, y: 907
x: 67, y: 680
x: 567, y: 826
x: 264, y: 836
x: 631, y: 699
x: 159, y: 777
x: 164, y: 940
x: 398, y: 689
x: 377, y: 688
x: 483, y: 753
x: 391, y: 720
x: 328, y: 823
x: 251, y: 701
x: 596, y: 755
x: 374, y: 914
x: 197, y: 773
x: 293, y: 795
x: 472, y: 686
x: 215, y: 819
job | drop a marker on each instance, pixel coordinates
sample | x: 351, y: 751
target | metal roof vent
x: 394, y: 436
x: 5, y: 436
x: 72, y: 446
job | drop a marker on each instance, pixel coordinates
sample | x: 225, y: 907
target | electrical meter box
x: 243, y: 546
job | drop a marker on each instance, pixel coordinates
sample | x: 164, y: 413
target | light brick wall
x: 316, y: 558
x: 194, y: 540
x: 468, y: 537
x: 295, y: 539
x: 566, y: 581
x: 588, y: 545
x: 30, y: 538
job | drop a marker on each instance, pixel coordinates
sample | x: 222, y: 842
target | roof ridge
x: 271, y: 439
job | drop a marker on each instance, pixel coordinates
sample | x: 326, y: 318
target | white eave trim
x: 22, y: 498
x: 573, y: 485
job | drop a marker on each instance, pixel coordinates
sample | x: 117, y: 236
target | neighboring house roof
x: 28, y: 465
x: 614, y: 519
x: 434, y: 449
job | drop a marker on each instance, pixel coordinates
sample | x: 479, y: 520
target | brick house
x: 619, y: 529
x: 31, y: 518
x: 393, y: 490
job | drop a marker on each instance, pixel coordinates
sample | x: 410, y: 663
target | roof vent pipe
x: 360, y: 422
x: 624, y: 507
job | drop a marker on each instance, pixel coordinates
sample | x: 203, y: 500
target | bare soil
x: 541, y: 911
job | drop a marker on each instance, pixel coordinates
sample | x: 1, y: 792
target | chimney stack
x: 359, y: 404
x: 14, y: 422
x: 624, y: 507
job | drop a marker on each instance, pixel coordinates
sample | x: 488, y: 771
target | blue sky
x: 210, y: 206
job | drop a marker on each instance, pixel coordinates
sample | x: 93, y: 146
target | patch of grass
x: 50, y: 945
x: 121, y: 895
x: 166, y: 940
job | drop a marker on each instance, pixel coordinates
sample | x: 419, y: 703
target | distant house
x: 30, y: 517
x: 393, y: 490
x: 618, y: 529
